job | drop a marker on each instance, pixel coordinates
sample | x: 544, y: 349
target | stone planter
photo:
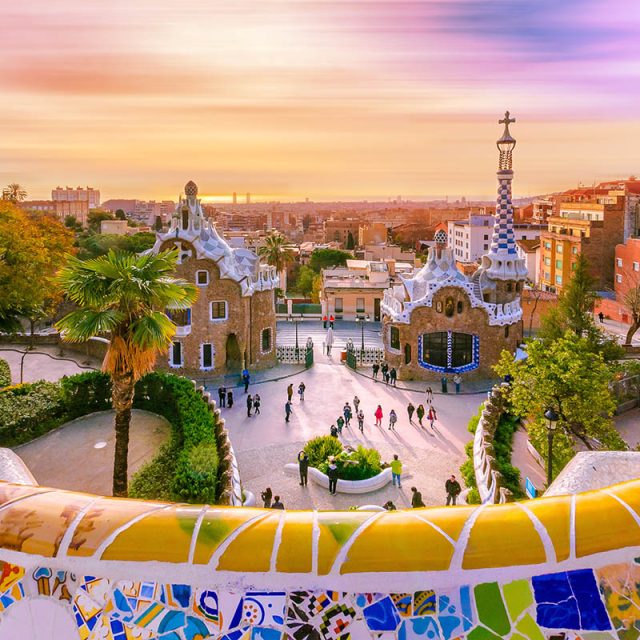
x: 343, y: 486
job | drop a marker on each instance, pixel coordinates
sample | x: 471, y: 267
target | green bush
x: 5, y: 374
x: 320, y: 448
x: 29, y: 410
x: 86, y: 393
x: 196, y: 474
x: 473, y: 497
x: 153, y: 480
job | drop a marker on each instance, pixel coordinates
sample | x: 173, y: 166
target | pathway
x: 265, y: 443
x: 79, y: 455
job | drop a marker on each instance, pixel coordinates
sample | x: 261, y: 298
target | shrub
x: 320, y: 448
x: 196, y: 474
x: 5, y: 374
x: 153, y: 480
x: 85, y: 393
x: 473, y: 497
x: 29, y: 410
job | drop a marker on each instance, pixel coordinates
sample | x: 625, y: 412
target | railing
x: 291, y: 354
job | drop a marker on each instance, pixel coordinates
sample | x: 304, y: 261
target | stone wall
x: 488, y: 478
x: 493, y: 339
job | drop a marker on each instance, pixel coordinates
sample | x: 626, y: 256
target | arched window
x: 460, y: 306
x: 407, y: 353
x: 509, y: 287
x: 448, y: 308
x: 185, y: 218
x: 506, y: 331
x: 394, y: 338
x: 439, y: 306
x: 448, y: 351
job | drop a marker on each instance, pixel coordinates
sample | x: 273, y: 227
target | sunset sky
x: 315, y: 98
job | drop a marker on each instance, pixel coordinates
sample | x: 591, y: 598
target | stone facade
x: 232, y: 324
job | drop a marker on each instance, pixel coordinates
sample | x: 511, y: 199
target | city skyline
x: 323, y: 100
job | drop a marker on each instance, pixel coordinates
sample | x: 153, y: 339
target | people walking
x: 246, y: 378
x: 287, y: 411
x: 301, y: 388
x: 431, y: 416
x: 429, y: 392
x: 601, y: 317
x: 303, y: 465
x: 331, y: 321
x: 222, y: 396
x: 276, y: 503
x: 457, y: 380
x: 266, y: 496
x: 378, y: 415
x: 384, y: 370
x: 290, y: 392
x: 396, y: 470
x: 393, y: 375
x: 444, y: 382
x: 453, y: 489
x: 249, y: 405
x: 375, y: 368
x: 361, y: 420
x: 332, y: 473
x: 256, y: 404
x: 333, y: 431
x: 393, y: 418
x: 340, y: 423
x: 416, y: 499
x: 356, y: 404
x: 229, y: 399
x: 420, y: 414
x: 324, y: 322
x: 410, y: 411
x: 346, y: 412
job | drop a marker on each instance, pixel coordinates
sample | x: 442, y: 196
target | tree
x: 71, y: 222
x: 32, y: 249
x: 99, y: 244
x: 305, y: 280
x: 14, y: 192
x: 306, y: 222
x: 574, y: 313
x: 96, y: 216
x: 325, y: 258
x: 157, y: 225
x: 123, y: 296
x: 120, y: 214
x: 632, y: 302
x: 316, y: 289
x: 276, y: 251
x: 568, y: 376
x: 351, y: 243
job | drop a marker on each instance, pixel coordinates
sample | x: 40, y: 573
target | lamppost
x: 362, y: 320
x: 295, y: 322
x: 552, y: 420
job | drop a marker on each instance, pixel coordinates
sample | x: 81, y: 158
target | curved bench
x: 343, y: 486
x: 532, y: 569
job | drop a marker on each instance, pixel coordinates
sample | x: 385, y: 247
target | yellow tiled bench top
x: 63, y: 524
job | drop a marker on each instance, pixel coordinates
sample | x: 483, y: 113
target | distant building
x: 371, y: 233
x: 386, y: 252
x: 339, y: 230
x: 529, y: 252
x: 80, y: 194
x: 232, y: 324
x: 116, y: 227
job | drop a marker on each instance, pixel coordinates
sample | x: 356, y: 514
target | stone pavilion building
x: 440, y: 321
x: 233, y: 323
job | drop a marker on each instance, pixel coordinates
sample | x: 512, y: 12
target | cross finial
x: 507, y: 120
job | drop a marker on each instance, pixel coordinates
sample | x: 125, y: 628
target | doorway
x: 233, y: 361
x: 376, y: 309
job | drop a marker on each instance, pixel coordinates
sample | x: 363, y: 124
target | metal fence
x: 292, y: 354
x: 626, y: 392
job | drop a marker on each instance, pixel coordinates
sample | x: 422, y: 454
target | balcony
x: 183, y: 330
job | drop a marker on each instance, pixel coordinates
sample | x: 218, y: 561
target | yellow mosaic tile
x: 450, y: 520
x: 409, y: 545
x: 629, y: 493
x: 9, y: 492
x: 335, y: 529
x: 602, y: 523
x: 101, y: 520
x: 252, y: 548
x: 37, y: 524
x: 522, y: 545
x: 294, y: 552
x: 216, y: 526
x: 555, y: 515
x: 164, y: 535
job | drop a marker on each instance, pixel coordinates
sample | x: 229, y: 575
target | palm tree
x: 276, y: 253
x: 123, y: 296
x: 14, y: 192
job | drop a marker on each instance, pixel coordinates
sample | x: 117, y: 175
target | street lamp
x: 552, y: 421
x: 295, y: 322
x: 362, y: 320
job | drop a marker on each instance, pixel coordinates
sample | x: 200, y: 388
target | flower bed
x: 356, y: 464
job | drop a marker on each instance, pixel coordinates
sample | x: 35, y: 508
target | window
x: 618, y: 277
x: 509, y: 287
x: 486, y: 247
x: 559, y: 249
x: 547, y: 275
x: 558, y: 264
x: 547, y: 261
x: 175, y: 355
x: 394, y: 338
x: 574, y: 250
x: 448, y: 307
x: 206, y: 357
x: 218, y: 310
x: 460, y: 306
x: 547, y: 245
x: 265, y: 340
x: 359, y: 305
x: 486, y: 237
x: 619, y: 261
x: 180, y: 317
x: 434, y: 348
x: 558, y: 279
x: 407, y: 353
x: 636, y: 266
x: 338, y: 305
x: 439, y: 306
x: 202, y: 278
x: 461, y: 349
x: 506, y: 331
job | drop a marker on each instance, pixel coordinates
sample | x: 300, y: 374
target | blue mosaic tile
x: 382, y: 615
x: 424, y: 628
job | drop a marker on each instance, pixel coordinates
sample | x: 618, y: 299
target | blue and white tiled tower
x: 502, y: 272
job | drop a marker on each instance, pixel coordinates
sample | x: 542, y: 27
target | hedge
x: 359, y: 464
x: 187, y: 469
x: 5, y: 374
